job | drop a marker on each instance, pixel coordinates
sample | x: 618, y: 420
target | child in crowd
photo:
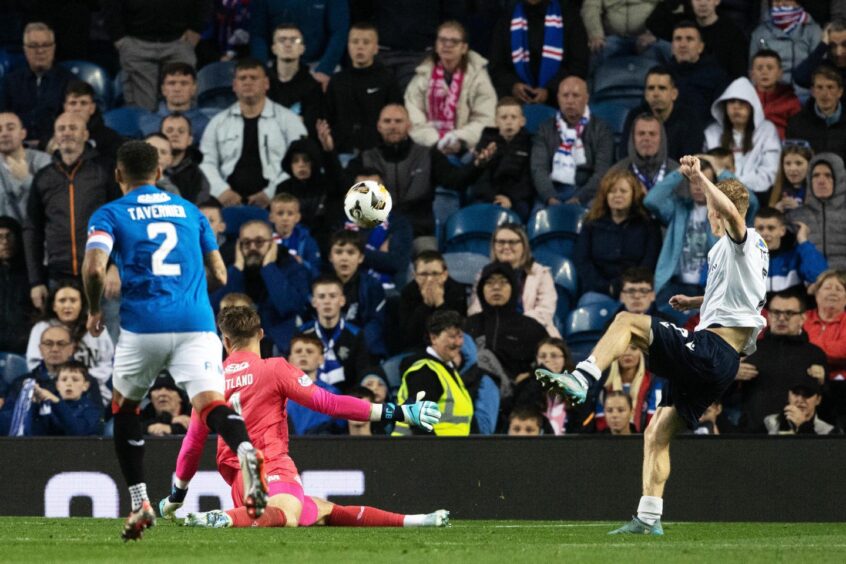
x: 307, y: 355
x: 75, y: 411
x: 788, y: 192
x: 213, y: 210
x: 525, y: 421
x: 506, y: 179
x: 364, y: 296
x: 361, y: 428
x: 285, y: 216
x: 778, y: 99
x: 303, y: 162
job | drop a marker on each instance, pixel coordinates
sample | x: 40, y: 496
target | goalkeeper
x: 258, y: 390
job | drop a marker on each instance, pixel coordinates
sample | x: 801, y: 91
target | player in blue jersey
x: 163, y: 248
x: 700, y: 366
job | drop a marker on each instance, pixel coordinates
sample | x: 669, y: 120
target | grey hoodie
x: 825, y: 218
x: 648, y: 166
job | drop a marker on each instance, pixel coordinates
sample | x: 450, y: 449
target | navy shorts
x: 699, y: 366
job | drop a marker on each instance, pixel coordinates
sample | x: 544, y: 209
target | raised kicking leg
x: 656, y: 470
x: 627, y: 328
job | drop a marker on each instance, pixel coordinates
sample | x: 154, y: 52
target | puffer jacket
x: 61, y: 202
x: 759, y: 169
x: 616, y: 17
x: 475, y: 109
x: 825, y: 217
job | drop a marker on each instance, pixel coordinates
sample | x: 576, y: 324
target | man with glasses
x: 784, y: 353
x: 637, y: 294
x: 273, y: 280
x: 291, y: 83
x: 431, y: 290
x: 57, y: 347
x: 35, y: 92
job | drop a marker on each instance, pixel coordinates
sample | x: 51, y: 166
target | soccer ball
x: 367, y: 204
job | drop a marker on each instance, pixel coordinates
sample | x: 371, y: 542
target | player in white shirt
x: 699, y: 366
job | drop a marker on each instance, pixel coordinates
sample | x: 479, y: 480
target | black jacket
x: 314, y: 192
x: 684, y: 128
x: 354, y: 100
x: 509, y: 334
x: 413, y: 313
x: 52, y: 220
x: 509, y: 171
x: 302, y: 89
x: 811, y: 127
x: 16, y: 311
x: 576, y: 53
x: 36, y: 102
x: 781, y: 360
x: 699, y: 83
x: 187, y: 176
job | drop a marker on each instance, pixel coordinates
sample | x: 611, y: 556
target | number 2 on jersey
x: 160, y: 267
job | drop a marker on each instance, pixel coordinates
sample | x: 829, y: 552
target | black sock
x: 177, y: 494
x: 130, y: 456
x: 229, y: 425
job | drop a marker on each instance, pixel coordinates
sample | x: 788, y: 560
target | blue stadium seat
x: 214, y: 85
x: 391, y: 366
x: 566, y: 284
x: 554, y: 229
x: 12, y: 366
x: 536, y: 114
x: 125, y: 120
x: 620, y: 76
x: 585, y: 325
x: 97, y: 77
x: 117, y: 90
x: 614, y: 112
x: 237, y: 215
x: 464, y: 267
x: 470, y: 228
x: 591, y: 298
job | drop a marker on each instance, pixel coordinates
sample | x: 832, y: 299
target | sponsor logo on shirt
x: 305, y: 381
x: 237, y: 367
x: 153, y: 198
x: 372, y: 90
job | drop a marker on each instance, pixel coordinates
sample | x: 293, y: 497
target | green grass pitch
x: 30, y: 539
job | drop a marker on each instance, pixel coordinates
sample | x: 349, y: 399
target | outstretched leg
x: 333, y: 515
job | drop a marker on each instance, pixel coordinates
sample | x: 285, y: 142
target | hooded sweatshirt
x: 649, y: 170
x: 509, y: 334
x: 825, y: 216
x: 756, y: 169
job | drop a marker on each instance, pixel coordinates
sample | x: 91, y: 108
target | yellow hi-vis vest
x: 455, y: 403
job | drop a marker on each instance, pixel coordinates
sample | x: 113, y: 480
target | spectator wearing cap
x: 799, y: 416
x: 822, y: 120
x: 765, y: 377
x: 178, y: 89
x: 167, y: 413
x: 35, y: 91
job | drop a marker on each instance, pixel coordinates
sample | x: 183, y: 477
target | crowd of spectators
x: 447, y: 104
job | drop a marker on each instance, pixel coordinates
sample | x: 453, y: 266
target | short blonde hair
x: 737, y: 193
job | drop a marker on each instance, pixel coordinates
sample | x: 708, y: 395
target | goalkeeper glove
x: 423, y: 414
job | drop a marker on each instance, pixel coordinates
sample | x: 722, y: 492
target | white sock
x: 650, y: 509
x: 414, y: 520
x: 138, y: 493
x: 245, y: 448
x: 590, y: 368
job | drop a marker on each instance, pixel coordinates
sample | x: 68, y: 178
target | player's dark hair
x: 361, y: 392
x: 239, y: 324
x: 212, y: 202
x: 429, y: 255
x: 767, y: 54
x: 369, y: 171
x: 637, y: 275
x: 829, y: 73
x: 249, y: 63
x: 138, y: 161
x: 79, y: 88
x: 365, y: 26
x: 618, y: 394
x: 771, y: 213
x: 178, y: 68
x: 790, y: 295
x: 327, y: 279
x: 177, y: 115
x: 343, y: 237
x: 660, y: 70
x: 687, y: 24
x: 307, y: 338
x: 442, y: 320
x: 527, y: 412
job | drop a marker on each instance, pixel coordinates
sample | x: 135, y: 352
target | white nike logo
x: 136, y: 443
x: 372, y: 90
x: 238, y: 417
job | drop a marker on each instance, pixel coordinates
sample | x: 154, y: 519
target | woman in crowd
x: 741, y: 127
x: 826, y: 328
x: 451, y: 98
x: 788, y: 192
x: 618, y: 410
x: 552, y: 353
x: 628, y: 375
x: 617, y: 234
x: 67, y: 307
x: 538, y: 297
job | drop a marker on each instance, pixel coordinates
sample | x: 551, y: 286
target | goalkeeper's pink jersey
x: 259, y: 389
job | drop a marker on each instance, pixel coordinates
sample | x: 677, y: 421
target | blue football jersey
x: 157, y: 240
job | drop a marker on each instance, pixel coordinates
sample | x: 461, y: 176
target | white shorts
x: 193, y: 360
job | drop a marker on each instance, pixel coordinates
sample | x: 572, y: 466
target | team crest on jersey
x: 153, y: 198
x: 305, y: 381
x: 763, y: 246
x: 237, y: 367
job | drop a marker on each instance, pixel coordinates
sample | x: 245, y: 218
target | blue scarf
x: 21, y: 416
x: 331, y: 372
x: 553, y: 44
